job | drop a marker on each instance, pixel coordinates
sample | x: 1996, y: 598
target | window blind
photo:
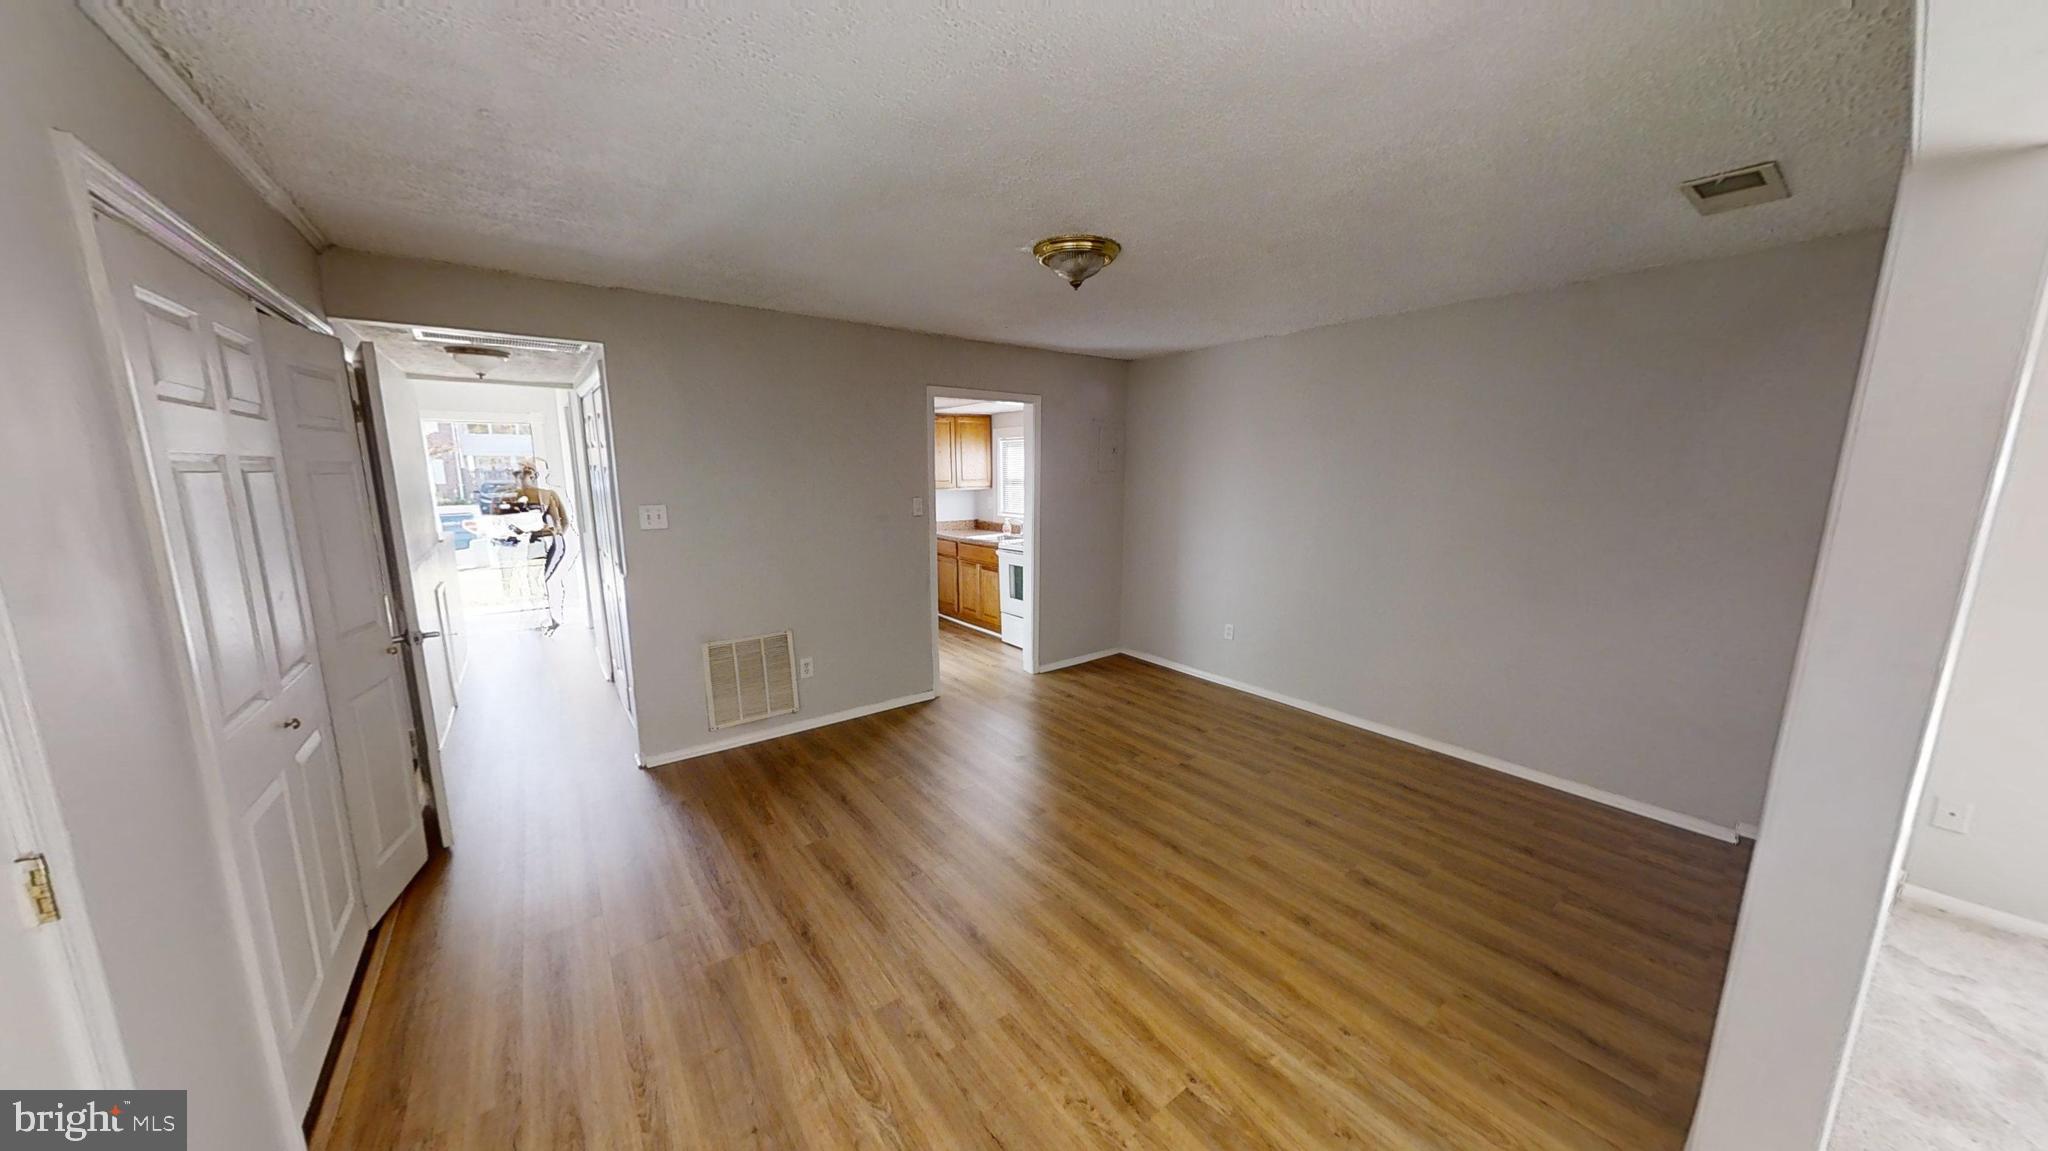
x: 1014, y: 499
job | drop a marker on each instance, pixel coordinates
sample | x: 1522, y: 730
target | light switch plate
x: 653, y: 517
x: 917, y: 505
x: 804, y: 670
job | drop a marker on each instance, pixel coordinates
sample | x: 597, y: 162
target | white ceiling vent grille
x: 1739, y: 188
x: 459, y: 337
x: 749, y: 679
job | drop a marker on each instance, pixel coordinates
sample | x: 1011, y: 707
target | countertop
x: 985, y: 539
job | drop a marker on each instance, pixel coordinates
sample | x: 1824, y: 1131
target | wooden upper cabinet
x: 943, y: 452
x: 973, y: 454
x: 963, y: 453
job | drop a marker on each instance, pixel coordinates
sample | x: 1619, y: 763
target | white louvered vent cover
x: 749, y: 679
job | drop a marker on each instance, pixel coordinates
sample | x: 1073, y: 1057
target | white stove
x: 1016, y: 587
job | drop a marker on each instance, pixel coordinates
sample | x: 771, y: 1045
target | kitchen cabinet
x: 970, y: 593
x: 973, y: 452
x: 970, y: 584
x: 949, y: 579
x: 991, y: 599
x: 943, y: 452
x: 963, y: 455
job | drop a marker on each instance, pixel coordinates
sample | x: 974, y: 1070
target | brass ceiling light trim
x: 1075, y: 257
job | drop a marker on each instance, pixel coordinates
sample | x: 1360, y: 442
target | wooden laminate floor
x: 1111, y: 906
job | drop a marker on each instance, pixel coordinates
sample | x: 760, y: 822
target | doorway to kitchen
x: 985, y: 522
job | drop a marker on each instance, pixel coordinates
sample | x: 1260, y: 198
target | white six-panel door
x: 347, y: 578
x: 221, y: 499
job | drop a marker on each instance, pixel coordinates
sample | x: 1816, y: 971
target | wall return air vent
x: 749, y: 679
x: 1738, y: 188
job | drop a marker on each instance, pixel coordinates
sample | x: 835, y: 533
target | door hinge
x: 41, y: 893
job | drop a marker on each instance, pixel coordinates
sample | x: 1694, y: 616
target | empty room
x: 1414, y: 575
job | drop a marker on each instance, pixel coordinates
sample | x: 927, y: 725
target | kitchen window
x: 1012, y: 496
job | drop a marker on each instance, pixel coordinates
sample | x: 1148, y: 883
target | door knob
x: 291, y: 724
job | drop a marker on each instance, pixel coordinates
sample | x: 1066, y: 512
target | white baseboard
x: 1555, y: 782
x: 1748, y: 831
x: 1080, y: 659
x: 663, y: 759
x: 1974, y: 912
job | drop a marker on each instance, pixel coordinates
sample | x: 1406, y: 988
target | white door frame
x: 622, y: 642
x: 586, y: 537
x: 94, y: 185
x: 1034, y: 580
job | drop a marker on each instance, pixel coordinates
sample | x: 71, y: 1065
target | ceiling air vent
x: 457, y: 336
x: 1727, y: 191
x: 749, y: 679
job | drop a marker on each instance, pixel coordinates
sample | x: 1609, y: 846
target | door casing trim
x: 108, y: 188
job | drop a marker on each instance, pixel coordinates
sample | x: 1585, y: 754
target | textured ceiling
x: 1268, y: 166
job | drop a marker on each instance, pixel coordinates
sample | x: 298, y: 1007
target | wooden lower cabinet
x: 949, y: 586
x: 991, y: 597
x: 970, y: 584
x: 970, y: 593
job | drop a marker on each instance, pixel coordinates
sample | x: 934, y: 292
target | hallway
x: 540, y: 770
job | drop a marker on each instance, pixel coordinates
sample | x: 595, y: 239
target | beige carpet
x: 1953, y: 1053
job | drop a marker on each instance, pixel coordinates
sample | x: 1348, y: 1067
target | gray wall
x: 1992, y: 749
x: 78, y: 579
x: 788, y: 450
x: 1572, y: 529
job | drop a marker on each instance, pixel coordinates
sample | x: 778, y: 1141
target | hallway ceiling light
x: 478, y: 359
x: 1075, y: 257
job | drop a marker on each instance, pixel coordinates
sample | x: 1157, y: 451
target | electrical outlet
x: 1230, y: 631
x: 653, y: 517
x: 804, y: 669
x: 917, y: 505
x: 1952, y: 816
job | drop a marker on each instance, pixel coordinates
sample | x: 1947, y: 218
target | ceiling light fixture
x: 1074, y: 258
x: 478, y: 359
